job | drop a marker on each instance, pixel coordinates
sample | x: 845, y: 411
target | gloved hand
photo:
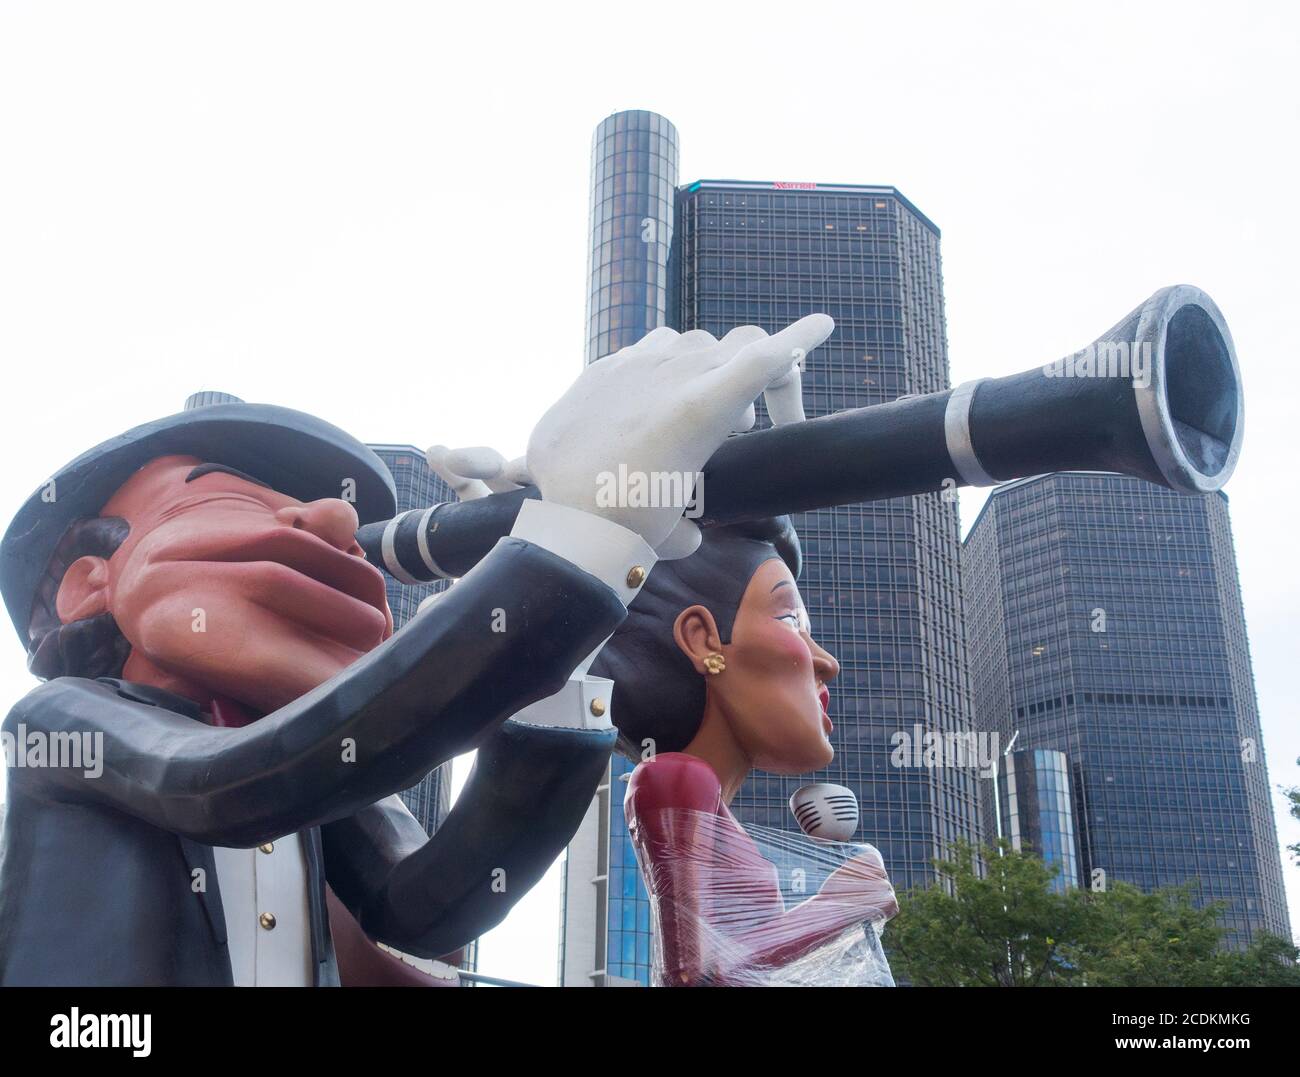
x: 660, y: 407
x: 479, y: 471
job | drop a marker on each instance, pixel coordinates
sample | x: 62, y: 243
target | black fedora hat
x: 293, y: 452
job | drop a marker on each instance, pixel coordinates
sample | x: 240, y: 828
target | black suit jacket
x: 97, y: 880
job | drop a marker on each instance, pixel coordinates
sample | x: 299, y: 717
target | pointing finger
x: 466, y: 489
x: 481, y: 462
x: 477, y: 462
x: 755, y: 366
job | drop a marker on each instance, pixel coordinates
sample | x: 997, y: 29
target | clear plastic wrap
x: 758, y: 907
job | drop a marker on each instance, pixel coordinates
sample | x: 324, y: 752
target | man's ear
x: 696, y: 633
x: 83, y: 592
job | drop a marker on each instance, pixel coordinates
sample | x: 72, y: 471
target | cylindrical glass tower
x: 630, y: 232
x: 1037, y: 810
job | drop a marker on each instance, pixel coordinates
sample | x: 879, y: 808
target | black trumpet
x: 1157, y: 397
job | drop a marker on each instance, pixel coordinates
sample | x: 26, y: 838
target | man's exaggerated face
x: 226, y: 587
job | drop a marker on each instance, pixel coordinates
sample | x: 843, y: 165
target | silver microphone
x: 825, y: 811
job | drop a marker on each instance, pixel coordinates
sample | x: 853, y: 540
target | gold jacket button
x: 267, y: 920
x: 266, y: 848
x: 598, y: 707
x: 636, y: 577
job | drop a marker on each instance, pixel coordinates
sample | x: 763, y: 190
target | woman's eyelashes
x: 796, y: 619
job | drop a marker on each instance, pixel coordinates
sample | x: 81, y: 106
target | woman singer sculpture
x: 716, y: 674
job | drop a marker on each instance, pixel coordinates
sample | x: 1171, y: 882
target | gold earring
x: 714, y: 662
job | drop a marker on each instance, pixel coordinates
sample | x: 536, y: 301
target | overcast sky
x: 377, y: 213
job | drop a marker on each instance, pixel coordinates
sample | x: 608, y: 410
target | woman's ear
x: 696, y: 633
x: 83, y: 592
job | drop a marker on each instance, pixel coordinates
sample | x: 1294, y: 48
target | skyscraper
x: 881, y: 581
x: 1108, y: 625
x: 630, y: 230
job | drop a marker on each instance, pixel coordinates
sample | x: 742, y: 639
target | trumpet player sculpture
x: 200, y: 597
x: 220, y: 651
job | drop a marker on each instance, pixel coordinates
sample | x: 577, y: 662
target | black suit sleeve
x: 523, y: 803
x: 447, y: 678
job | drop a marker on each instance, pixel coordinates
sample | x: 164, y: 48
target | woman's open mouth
x: 824, y: 696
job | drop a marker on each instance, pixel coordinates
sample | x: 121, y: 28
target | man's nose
x: 330, y: 518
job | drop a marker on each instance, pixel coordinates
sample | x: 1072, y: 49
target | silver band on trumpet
x: 956, y: 432
x: 388, y: 547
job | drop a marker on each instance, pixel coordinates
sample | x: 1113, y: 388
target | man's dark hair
x: 658, y: 695
x: 93, y: 646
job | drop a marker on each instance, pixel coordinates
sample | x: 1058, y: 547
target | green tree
x: 1001, y: 924
x: 1004, y: 927
x: 1269, y: 961
x: 1132, y: 939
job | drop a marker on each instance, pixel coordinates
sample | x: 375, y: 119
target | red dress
x: 715, y: 899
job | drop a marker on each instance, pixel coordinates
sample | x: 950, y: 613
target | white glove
x: 477, y: 471
x: 466, y: 484
x: 662, y: 407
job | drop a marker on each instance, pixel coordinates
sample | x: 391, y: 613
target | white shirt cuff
x: 583, y: 703
x: 599, y: 547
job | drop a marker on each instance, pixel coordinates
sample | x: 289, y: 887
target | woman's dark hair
x: 94, y: 646
x: 658, y: 696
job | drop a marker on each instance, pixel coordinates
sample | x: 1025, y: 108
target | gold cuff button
x: 266, y: 848
x: 267, y: 920
x: 598, y: 707
x: 636, y: 577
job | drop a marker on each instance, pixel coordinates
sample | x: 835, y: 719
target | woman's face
x: 773, y: 691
